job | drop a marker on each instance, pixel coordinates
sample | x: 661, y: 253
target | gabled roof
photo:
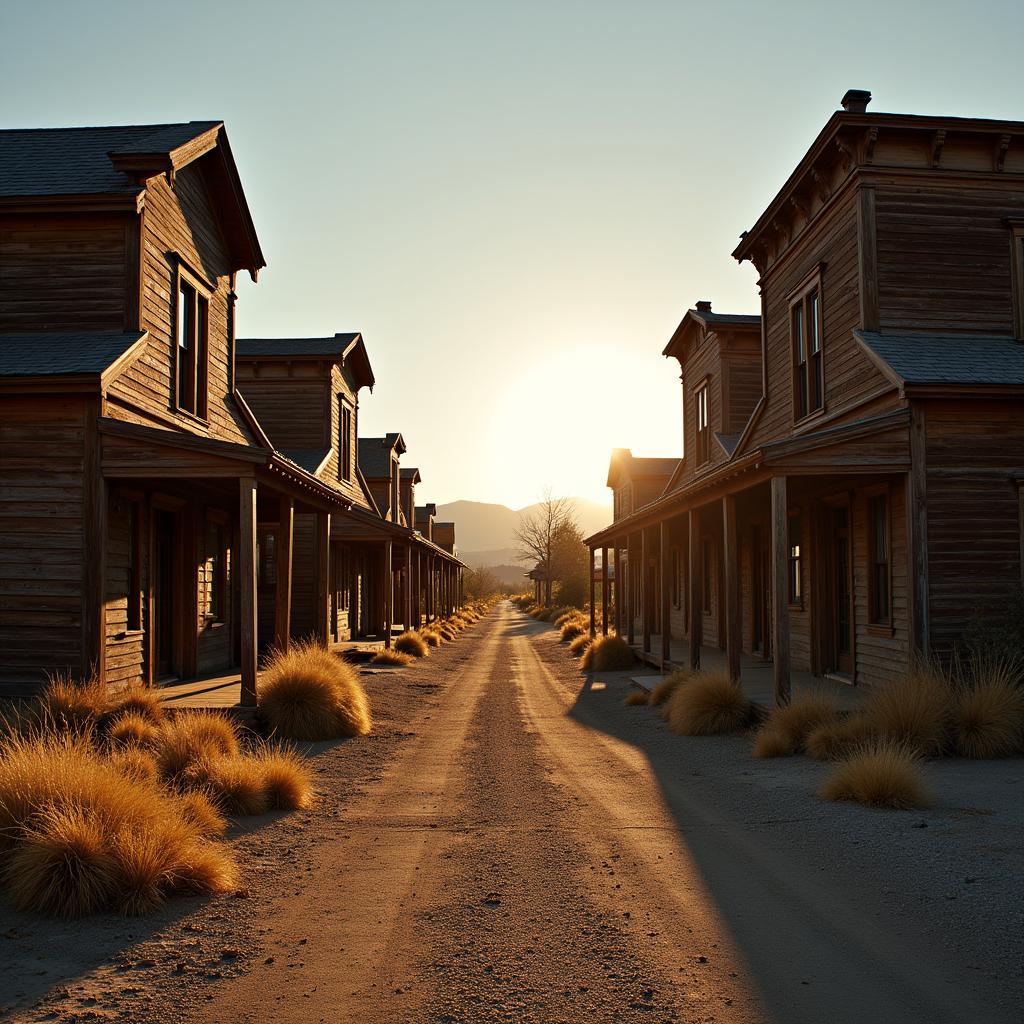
x: 412, y: 473
x: 920, y: 360
x: 81, y: 356
x: 375, y: 455
x: 709, y: 320
x: 624, y: 461
x: 426, y: 511
x: 310, y: 459
x: 346, y: 349
x: 114, y: 162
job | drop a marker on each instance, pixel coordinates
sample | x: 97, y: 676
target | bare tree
x: 538, y: 533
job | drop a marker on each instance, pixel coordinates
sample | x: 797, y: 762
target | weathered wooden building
x: 138, y: 490
x: 851, y: 488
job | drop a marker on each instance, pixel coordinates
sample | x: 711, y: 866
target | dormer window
x: 344, y: 439
x: 805, y: 332
x: 703, y: 434
x: 191, y: 348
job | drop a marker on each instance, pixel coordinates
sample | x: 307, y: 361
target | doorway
x: 164, y: 592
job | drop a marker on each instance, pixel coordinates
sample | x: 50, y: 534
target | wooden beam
x: 731, y: 572
x: 693, y: 582
x: 407, y: 591
x: 867, y: 245
x: 247, y: 581
x: 618, y: 589
x: 283, y: 586
x: 605, y: 590
x: 94, y: 552
x: 780, y: 592
x: 321, y: 617
x: 593, y: 594
x: 645, y: 596
x: 916, y: 499
x: 631, y: 590
x: 666, y: 594
x: 389, y: 594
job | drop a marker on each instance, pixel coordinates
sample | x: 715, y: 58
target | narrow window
x: 706, y: 576
x: 192, y: 332
x: 796, y: 591
x: 878, y: 540
x: 1017, y: 270
x: 134, y: 568
x: 808, y: 370
x: 215, y: 572
x: 200, y: 371
x: 703, y: 446
x: 344, y: 439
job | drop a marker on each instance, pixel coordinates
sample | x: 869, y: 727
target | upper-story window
x: 1017, y: 269
x: 702, y: 432
x: 396, y: 514
x: 796, y: 585
x: 879, y: 584
x: 805, y: 331
x: 344, y: 439
x: 191, y: 348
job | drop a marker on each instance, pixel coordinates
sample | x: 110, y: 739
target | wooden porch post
x: 666, y: 594
x: 605, y: 589
x: 733, y: 619
x: 780, y: 595
x: 417, y: 608
x: 408, y: 587
x: 94, y: 597
x: 593, y: 594
x: 694, y: 582
x: 323, y: 577
x: 916, y: 500
x: 247, y: 580
x: 283, y: 586
x: 645, y: 594
x: 389, y: 594
x: 631, y: 591
x: 618, y: 589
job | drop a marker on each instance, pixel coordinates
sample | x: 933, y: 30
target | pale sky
x: 516, y: 202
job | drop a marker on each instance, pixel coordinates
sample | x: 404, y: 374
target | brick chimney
x: 856, y: 101
x: 704, y: 306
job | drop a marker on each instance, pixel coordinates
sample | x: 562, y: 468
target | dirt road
x: 520, y: 862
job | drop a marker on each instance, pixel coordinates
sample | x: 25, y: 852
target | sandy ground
x: 513, y: 844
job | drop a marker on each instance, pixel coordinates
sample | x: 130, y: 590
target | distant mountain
x: 483, y: 529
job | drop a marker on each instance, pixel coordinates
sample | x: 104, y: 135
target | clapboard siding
x: 59, y: 273
x: 41, y: 540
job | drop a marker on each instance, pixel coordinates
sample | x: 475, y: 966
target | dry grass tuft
x: 579, y: 646
x: 573, y: 628
x: 431, y: 637
x: 207, y: 872
x: 132, y: 730
x: 833, y: 740
x: 233, y: 782
x: 137, y: 763
x: 394, y: 658
x: 709, y: 705
x: 885, y: 773
x: 915, y: 709
x: 193, y: 736
x: 636, y: 698
x: 664, y: 688
x: 197, y: 808
x: 68, y: 704
x: 412, y: 643
x: 286, y: 779
x: 988, y: 710
x: 565, y: 616
x: 786, y: 731
x: 309, y: 694
x: 608, y: 654
x: 137, y: 700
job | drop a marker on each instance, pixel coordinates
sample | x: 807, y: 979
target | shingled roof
x: 77, y: 161
x: 348, y: 349
x: 63, y: 353
x: 946, y: 359
x: 375, y: 454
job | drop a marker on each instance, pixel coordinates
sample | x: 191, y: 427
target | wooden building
x: 138, y: 489
x: 851, y: 488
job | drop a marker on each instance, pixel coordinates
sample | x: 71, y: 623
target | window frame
x: 1017, y: 274
x: 197, y: 382
x: 795, y: 563
x: 134, y: 597
x: 875, y: 620
x: 345, y: 446
x: 217, y: 581
x: 702, y: 423
x: 808, y: 373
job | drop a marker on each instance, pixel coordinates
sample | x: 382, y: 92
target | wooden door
x: 841, y: 604
x: 164, y: 592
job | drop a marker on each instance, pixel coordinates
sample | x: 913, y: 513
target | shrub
x: 834, y: 739
x: 197, y: 807
x: 579, y: 646
x: 286, y: 779
x: 431, y: 637
x: 608, y: 654
x: 136, y: 762
x: 395, y: 659
x: 573, y: 628
x: 989, y: 709
x: 914, y: 709
x: 710, y: 704
x: 785, y: 733
x: 636, y: 698
x: 884, y: 773
x: 69, y: 704
x: 412, y: 644
x: 193, y: 736
x: 138, y: 701
x: 572, y: 613
x: 309, y: 694
x: 233, y: 782
x: 664, y: 688
x: 133, y: 730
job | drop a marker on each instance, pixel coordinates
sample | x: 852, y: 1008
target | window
x: 216, y: 573
x: 805, y: 331
x: 344, y: 439
x: 706, y: 559
x: 266, y: 558
x: 676, y: 578
x: 796, y: 588
x: 703, y: 446
x: 134, y: 568
x: 1017, y: 270
x: 191, y: 343
x: 878, y: 541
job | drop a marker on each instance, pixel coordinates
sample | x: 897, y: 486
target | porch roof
x: 78, y: 358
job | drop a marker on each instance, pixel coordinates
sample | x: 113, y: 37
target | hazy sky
x: 517, y: 202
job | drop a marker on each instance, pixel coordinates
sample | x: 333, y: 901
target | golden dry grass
x: 309, y: 694
x: 136, y: 762
x: 664, y: 688
x: 411, y: 643
x: 197, y: 807
x: 67, y: 703
x: 988, y: 710
x: 572, y: 628
x: 233, y: 782
x: 565, y: 616
x: 608, y: 654
x: 133, y: 730
x: 832, y: 740
x: 396, y: 659
x: 137, y: 700
x: 431, y: 637
x: 636, y: 698
x: 192, y: 736
x: 787, y: 728
x: 915, y: 709
x: 579, y: 646
x: 884, y: 773
x: 708, y: 705
x: 286, y: 779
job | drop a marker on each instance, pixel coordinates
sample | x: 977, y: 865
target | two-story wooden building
x: 851, y: 484
x: 134, y: 477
